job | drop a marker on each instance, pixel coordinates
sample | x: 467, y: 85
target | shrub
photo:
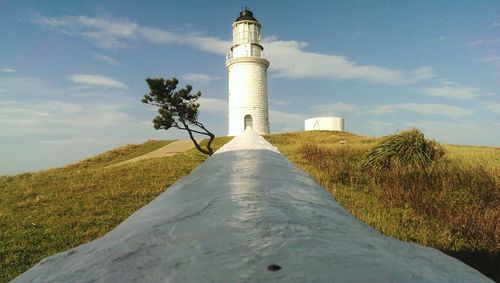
x: 405, y: 149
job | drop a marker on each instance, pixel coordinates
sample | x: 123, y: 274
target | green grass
x: 452, y: 205
x: 53, y: 210
x: 408, y: 149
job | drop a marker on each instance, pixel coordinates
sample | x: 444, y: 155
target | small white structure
x: 325, y: 124
x: 247, y: 68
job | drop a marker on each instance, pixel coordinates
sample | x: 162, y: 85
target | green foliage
x: 177, y: 109
x: 174, y: 107
x: 405, y: 149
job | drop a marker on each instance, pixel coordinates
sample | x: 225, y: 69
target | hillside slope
x: 53, y: 210
x: 453, y: 206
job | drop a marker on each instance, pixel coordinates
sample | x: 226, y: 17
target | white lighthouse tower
x: 247, y: 68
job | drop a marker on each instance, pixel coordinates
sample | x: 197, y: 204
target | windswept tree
x: 177, y: 109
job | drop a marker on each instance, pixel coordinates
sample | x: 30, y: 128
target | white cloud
x: 105, y: 33
x: 278, y: 102
x: 280, y: 117
x: 96, y: 80
x: 40, y: 109
x: 41, y: 126
x: 55, y: 117
x: 453, y: 91
x: 7, y: 70
x: 423, y: 108
x: 104, y: 58
x: 484, y: 42
x: 289, y: 60
x: 113, y: 34
x: 423, y: 73
x: 465, y: 132
x: 202, y: 78
x: 285, y: 121
x: 334, y: 108
x: 213, y: 105
x: 492, y: 106
x: 491, y: 59
x: 381, y: 126
x: 68, y: 141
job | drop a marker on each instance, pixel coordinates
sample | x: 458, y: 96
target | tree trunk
x: 198, y: 147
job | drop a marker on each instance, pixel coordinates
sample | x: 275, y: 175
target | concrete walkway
x: 247, y: 215
x: 170, y: 149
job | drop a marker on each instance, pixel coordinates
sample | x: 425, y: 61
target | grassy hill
x: 454, y: 205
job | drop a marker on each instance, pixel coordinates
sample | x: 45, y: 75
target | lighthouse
x: 247, y: 77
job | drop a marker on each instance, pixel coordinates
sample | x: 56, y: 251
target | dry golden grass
x: 452, y: 205
x: 53, y: 210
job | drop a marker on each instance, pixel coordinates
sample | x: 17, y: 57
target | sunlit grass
x: 51, y: 211
x: 452, y: 204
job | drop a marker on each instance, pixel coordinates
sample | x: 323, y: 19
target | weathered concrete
x: 170, y: 149
x: 242, y: 212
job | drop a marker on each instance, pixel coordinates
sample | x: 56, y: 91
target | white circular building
x: 325, y: 124
x: 247, y: 69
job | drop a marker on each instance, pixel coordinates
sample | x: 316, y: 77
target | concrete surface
x: 247, y: 215
x: 170, y: 149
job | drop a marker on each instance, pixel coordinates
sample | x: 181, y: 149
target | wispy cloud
x: 336, y: 108
x: 484, y: 42
x: 453, y: 92
x: 381, y: 126
x: 69, y: 141
x: 111, y: 33
x: 96, y: 80
x: 290, y: 60
x: 280, y: 117
x: 201, y: 78
x: 491, y: 59
x: 40, y: 120
x: 492, y: 106
x: 104, y: 58
x: 7, y: 70
x: 341, y: 109
x: 423, y: 108
x: 278, y: 102
x: 213, y: 105
x: 289, y: 57
x: 422, y: 74
x: 450, y: 132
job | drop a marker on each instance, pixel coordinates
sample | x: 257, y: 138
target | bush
x: 405, y: 149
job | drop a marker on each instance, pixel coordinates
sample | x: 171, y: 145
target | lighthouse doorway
x: 248, y: 121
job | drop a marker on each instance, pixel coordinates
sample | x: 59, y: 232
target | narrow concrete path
x: 170, y: 149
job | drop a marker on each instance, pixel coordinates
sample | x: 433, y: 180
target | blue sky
x: 72, y: 72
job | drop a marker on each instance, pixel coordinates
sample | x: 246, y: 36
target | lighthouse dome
x: 246, y: 15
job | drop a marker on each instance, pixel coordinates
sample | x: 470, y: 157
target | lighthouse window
x: 235, y: 36
x: 242, y: 33
x: 252, y: 33
x: 245, y: 33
